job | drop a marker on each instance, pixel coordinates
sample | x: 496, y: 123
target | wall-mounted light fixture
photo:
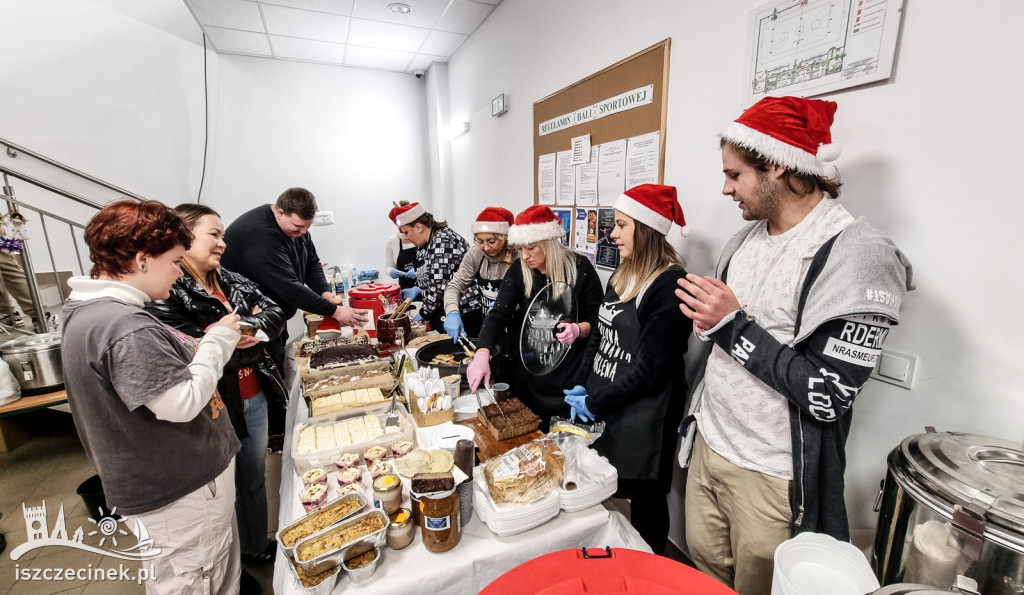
x: 456, y: 129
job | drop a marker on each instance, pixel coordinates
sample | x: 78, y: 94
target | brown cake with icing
x: 341, y: 355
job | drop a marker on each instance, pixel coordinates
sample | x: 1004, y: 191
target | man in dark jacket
x: 792, y: 339
x: 271, y: 245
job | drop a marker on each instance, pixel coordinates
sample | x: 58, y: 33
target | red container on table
x: 367, y: 297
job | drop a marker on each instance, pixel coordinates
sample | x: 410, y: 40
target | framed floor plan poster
x: 607, y: 255
x: 811, y: 47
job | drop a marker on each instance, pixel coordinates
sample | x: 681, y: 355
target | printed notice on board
x: 565, y: 179
x: 586, y: 180
x: 565, y: 215
x: 586, y: 231
x: 607, y: 251
x: 642, y: 155
x: 546, y: 179
x: 611, y: 171
x: 581, y: 149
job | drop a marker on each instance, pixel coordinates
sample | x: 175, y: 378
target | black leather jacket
x: 190, y: 310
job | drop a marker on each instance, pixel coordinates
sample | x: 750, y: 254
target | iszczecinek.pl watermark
x: 121, y: 573
x: 109, y: 527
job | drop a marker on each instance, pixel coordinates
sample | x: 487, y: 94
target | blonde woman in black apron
x: 485, y: 265
x: 632, y: 377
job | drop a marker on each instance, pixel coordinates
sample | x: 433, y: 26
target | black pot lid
x: 31, y: 343
x: 540, y: 351
x: 968, y: 469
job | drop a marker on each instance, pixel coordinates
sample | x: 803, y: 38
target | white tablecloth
x: 480, y: 557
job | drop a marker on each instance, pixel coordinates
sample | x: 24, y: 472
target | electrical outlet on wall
x: 896, y: 368
x: 323, y: 218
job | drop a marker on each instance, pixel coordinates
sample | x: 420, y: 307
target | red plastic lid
x: 597, y: 570
x: 372, y: 290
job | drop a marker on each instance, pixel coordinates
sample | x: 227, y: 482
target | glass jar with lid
x: 441, y: 529
x: 400, y: 531
x: 387, y: 492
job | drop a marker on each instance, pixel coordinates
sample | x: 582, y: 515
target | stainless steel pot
x: 35, y: 361
x: 952, y: 504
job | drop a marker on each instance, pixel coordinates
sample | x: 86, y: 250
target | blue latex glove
x: 411, y: 273
x: 395, y: 273
x: 576, y: 397
x: 411, y: 293
x: 417, y: 318
x: 453, y: 325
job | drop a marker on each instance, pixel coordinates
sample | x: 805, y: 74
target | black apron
x: 633, y: 435
x: 488, y: 287
x: 405, y: 260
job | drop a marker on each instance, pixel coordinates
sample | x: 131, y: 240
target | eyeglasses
x: 491, y: 243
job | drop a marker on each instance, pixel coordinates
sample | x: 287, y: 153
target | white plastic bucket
x: 814, y: 563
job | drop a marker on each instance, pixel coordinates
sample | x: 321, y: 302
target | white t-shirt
x: 740, y: 417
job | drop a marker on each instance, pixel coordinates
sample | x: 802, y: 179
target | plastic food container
x: 327, y: 509
x: 305, y: 461
x: 335, y: 556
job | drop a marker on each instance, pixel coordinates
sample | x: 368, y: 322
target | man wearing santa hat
x: 793, y: 323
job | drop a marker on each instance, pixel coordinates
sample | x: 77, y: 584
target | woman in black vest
x: 400, y: 255
x: 632, y: 376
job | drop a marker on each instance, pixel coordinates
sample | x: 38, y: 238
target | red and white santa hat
x: 790, y: 131
x: 654, y: 205
x: 493, y: 220
x: 535, y: 224
x: 406, y: 214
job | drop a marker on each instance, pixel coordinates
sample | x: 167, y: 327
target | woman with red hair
x: 144, y: 399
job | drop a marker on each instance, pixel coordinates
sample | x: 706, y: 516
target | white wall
x: 115, y: 88
x: 928, y: 157
x: 354, y: 137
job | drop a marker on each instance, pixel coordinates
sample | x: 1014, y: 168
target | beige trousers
x: 198, y: 538
x: 16, y: 285
x: 735, y: 519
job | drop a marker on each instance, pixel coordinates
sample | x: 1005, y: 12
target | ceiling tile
x: 306, y: 24
x: 424, y: 13
x: 305, y: 49
x: 376, y: 58
x: 342, y: 7
x: 239, y: 42
x: 463, y: 16
x: 441, y: 43
x: 376, y: 34
x: 231, y: 14
x: 423, y: 61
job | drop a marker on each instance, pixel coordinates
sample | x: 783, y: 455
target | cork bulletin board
x: 624, y: 101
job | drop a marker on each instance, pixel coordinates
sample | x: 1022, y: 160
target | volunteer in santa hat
x: 632, y: 377
x: 537, y: 234
x: 400, y: 254
x: 484, y: 266
x: 782, y: 364
x: 440, y: 250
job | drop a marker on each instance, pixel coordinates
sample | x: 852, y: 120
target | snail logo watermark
x: 109, y: 528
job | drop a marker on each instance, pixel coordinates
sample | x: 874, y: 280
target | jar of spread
x: 387, y: 493
x: 400, y: 531
x: 440, y: 528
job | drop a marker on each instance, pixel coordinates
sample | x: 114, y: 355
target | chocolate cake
x: 340, y: 355
x: 518, y: 419
x: 308, y: 348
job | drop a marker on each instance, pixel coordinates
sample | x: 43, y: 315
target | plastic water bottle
x: 346, y: 284
x: 354, y: 274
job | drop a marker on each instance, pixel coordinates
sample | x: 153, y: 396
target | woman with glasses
x: 440, y: 250
x: 485, y: 265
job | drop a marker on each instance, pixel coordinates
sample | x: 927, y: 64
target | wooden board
x: 487, y: 447
x: 35, y: 402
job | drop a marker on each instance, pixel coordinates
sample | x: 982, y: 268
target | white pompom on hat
x: 405, y: 215
x: 654, y: 205
x: 791, y: 131
x: 493, y: 220
x: 535, y: 224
